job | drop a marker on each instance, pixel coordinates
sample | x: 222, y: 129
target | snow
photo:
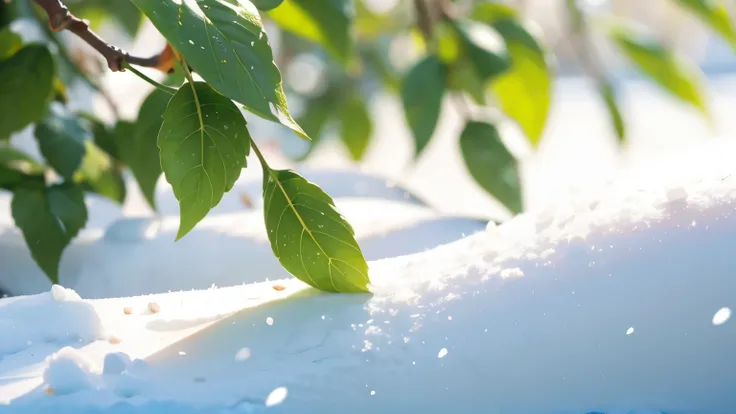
x: 608, y: 301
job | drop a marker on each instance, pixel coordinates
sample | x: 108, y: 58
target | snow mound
x: 57, y: 316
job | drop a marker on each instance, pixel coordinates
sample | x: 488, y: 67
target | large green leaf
x: 326, y: 22
x: 49, y: 219
x: 224, y: 41
x: 311, y: 239
x: 203, y: 142
x: 672, y: 73
x: 138, y: 143
x: 491, y: 164
x: 99, y: 173
x: 26, y: 86
x: 61, y: 139
x: 609, y: 99
x: 356, y: 127
x: 422, y: 91
x: 104, y: 137
x: 715, y: 15
x: 10, y: 42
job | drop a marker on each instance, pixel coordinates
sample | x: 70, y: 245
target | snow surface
x: 611, y: 301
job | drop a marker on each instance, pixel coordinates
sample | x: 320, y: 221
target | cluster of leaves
x: 196, y: 135
x: 192, y: 132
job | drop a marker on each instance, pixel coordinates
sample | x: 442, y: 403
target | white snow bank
x: 58, y: 316
x: 608, y: 302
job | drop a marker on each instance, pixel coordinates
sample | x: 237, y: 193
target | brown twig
x: 60, y: 18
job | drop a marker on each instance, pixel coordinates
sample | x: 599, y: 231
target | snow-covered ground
x: 609, y: 301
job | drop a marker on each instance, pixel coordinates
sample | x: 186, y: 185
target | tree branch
x: 60, y: 18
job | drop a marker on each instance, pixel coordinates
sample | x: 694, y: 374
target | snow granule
x: 243, y: 354
x: 269, y: 321
x: 722, y: 316
x: 442, y: 353
x: 276, y: 396
x: 68, y: 371
x: 630, y: 331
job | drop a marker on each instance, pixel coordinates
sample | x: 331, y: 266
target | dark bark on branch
x: 60, y: 18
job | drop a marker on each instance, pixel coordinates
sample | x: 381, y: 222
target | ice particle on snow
x: 242, y: 354
x: 276, y: 396
x: 721, y: 316
x: 630, y: 331
x: 442, y: 353
x: 269, y: 321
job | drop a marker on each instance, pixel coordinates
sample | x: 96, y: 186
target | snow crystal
x: 68, y: 371
x: 243, y: 354
x: 269, y: 321
x: 276, y: 396
x: 442, y: 353
x: 630, y: 331
x: 722, y: 316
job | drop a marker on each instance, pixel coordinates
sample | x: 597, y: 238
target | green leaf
x: 10, y: 42
x: 609, y: 98
x: 326, y: 22
x: 17, y: 167
x: 524, y: 92
x: 462, y: 77
x: 100, y: 174
x: 203, y: 142
x: 422, y: 91
x: 311, y: 239
x: 484, y: 47
x: 266, y: 5
x: 672, y: 73
x: 61, y: 139
x: 224, y: 41
x: 138, y: 143
x: 317, y: 114
x: 49, y: 219
x: 715, y: 15
x: 356, y: 127
x: 26, y: 85
x: 491, y: 164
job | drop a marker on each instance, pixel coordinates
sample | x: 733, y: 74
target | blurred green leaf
x: 49, y: 219
x: 422, y: 91
x: 137, y: 143
x: 484, y: 47
x: 317, y: 114
x: 370, y: 26
x: 672, y: 73
x: 462, y: 77
x: 100, y: 174
x: 97, y: 12
x: 525, y: 91
x: 715, y: 15
x: 62, y: 141
x: 104, y: 137
x: 309, y: 236
x: 449, y: 42
x: 609, y: 98
x: 10, y: 42
x: 356, y: 127
x: 26, y: 86
x: 491, y: 164
x: 326, y: 22
x: 17, y: 167
x: 492, y: 12
x: 378, y: 64
x: 266, y: 5
x: 224, y: 41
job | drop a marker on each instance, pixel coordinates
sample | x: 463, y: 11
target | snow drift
x: 612, y: 302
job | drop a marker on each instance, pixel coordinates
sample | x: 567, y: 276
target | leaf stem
x: 264, y: 164
x: 138, y: 73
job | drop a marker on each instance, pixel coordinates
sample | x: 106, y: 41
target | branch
x: 60, y: 18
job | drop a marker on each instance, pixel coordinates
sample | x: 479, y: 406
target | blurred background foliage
x: 496, y: 61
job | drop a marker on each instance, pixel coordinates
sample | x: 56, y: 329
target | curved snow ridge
x: 58, y: 316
